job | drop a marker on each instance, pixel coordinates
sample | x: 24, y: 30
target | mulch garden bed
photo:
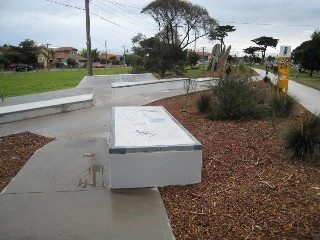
x: 15, y: 151
x: 250, y: 188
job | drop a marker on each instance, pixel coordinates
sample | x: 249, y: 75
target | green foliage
x: 281, y: 105
x: 237, y: 99
x: 177, y: 21
x: 220, y: 33
x: 192, y: 58
x: 265, y: 42
x: 304, y: 140
x: 204, y: 103
x: 308, y: 53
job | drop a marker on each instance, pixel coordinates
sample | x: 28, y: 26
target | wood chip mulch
x: 250, y: 188
x: 15, y: 151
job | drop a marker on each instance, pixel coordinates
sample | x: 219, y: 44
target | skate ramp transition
x: 107, y: 80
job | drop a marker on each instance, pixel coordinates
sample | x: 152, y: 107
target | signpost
x: 284, y: 68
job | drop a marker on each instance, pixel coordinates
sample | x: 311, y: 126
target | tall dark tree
x: 28, y: 51
x: 308, y: 53
x: 220, y: 33
x: 177, y: 20
x: 251, y: 50
x: 265, y: 42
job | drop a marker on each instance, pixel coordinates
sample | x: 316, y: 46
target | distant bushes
x: 304, y: 140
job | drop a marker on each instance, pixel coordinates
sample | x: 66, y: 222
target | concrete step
x: 23, y: 111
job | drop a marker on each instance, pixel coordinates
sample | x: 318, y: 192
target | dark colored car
x: 22, y: 67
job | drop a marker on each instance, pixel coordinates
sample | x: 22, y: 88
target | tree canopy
x: 265, y: 42
x: 180, y: 23
x: 308, y: 53
x: 180, y: 19
x: 220, y: 33
x: 251, y: 50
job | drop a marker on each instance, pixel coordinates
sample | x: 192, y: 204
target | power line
x: 269, y: 24
x: 71, y: 6
x: 129, y: 13
x: 109, y: 11
x: 66, y: 5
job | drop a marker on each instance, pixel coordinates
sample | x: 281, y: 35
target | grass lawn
x: 303, y: 78
x: 17, y: 84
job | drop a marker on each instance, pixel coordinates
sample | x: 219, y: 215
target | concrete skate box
x: 149, y: 148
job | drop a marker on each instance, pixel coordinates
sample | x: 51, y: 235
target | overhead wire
x: 113, y: 13
x: 128, y: 13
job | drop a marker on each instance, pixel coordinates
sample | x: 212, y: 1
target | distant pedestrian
x: 228, y: 71
x: 267, y: 69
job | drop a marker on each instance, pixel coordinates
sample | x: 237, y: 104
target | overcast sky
x: 46, y: 21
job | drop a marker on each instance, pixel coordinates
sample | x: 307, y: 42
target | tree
x: 94, y: 54
x: 251, y: 50
x: 192, y: 58
x: 265, y: 42
x: 220, y: 33
x: 71, y: 62
x: 308, y: 53
x: 27, y: 48
x: 177, y: 21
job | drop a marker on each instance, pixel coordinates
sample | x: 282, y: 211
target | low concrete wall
x: 37, y: 109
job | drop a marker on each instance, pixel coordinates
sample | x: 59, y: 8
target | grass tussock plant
x: 237, y: 99
x: 304, y: 140
x: 281, y: 105
x: 204, y: 103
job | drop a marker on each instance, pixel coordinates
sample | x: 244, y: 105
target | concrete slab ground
x: 62, y: 193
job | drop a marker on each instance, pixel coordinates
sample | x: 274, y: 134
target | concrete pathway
x: 308, y: 97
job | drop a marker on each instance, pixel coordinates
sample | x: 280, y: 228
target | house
x: 45, y: 56
x: 204, y: 56
x: 62, y: 55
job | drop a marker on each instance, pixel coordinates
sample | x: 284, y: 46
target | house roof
x: 203, y: 53
x: 62, y: 49
x: 109, y: 55
x: 78, y: 57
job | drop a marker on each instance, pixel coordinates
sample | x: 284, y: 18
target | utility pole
x: 124, y: 55
x: 203, y: 53
x: 90, y: 71
x: 48, y: 56
x: 105, y: 44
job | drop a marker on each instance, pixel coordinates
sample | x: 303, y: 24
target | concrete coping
x: 44, y: 104
x: 130, y: 84
x: 148, y: 129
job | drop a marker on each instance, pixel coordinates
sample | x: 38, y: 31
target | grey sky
x: 291, y: 21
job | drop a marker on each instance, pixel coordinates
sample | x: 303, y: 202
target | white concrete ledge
x: 149, y: 148
x: 36, y: 109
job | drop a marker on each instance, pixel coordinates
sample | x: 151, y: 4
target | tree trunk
x: 311, y: 72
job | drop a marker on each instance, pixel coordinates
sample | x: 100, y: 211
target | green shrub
x: 204, y: 102
x: 304, y: 140
x: 242, y: 67
x: 281, y: 105
x: 237, y: 99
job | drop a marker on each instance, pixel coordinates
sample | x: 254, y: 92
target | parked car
x: 22, y: 67
x: 100, y: 66
x: 62, y: 65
